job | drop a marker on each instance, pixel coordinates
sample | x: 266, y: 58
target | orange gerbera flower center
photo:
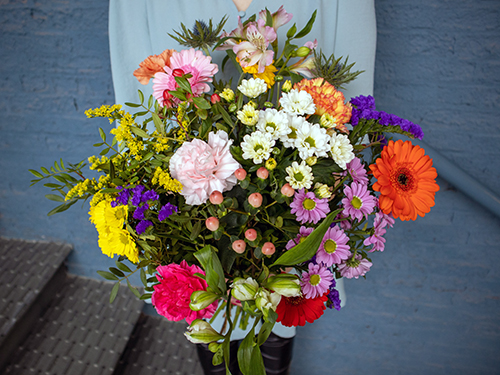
x: 403, y: 179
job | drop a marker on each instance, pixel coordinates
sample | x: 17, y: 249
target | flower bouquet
x: 251, y: 201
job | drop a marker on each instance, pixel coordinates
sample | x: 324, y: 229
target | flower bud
x: 244, y: 289
x: 302, y: 52
x: 311, y: 160
x: 215, y: 98
x: 322, y: 190
x: 268, y: 105
x: 284, y: 284
x: 271, y: 164
x: 233, y: 107
x: 201, y: 299
x: 266, y: 301
x: 287, y: 86
x: 327, y: 121
x: 262, y: 173
x: 278, y: 78
x: 201, y: 332
x: 177, y: 72
x: 227, y: 94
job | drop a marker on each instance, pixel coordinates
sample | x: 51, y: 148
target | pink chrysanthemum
x: 333, y: 248
x: 184, y: 62
x: 354, y: 267
x: 358, y: 202
x: 376, y: 239
x: 357, y: 171
x: 308, y: 208
x: 316, y: 281
x: 303, y: 233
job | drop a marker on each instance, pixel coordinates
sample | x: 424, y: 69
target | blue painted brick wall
x: 430, y: 303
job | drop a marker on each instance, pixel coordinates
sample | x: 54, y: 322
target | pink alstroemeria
x: 304, y: 67
x: 254, y: 49
x: 280, y: 17
x: 238, y: 34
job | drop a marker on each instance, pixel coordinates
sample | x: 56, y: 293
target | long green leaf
x: 54, y: 197
x: 307, y: 29
x: 306, y: 249
x: 245, y: 352
x: 114, y: 292
x: 108, y: 275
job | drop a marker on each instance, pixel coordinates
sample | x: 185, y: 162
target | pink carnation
x: 203, y: 168
x: 172, y: 296
x: 184, y: 62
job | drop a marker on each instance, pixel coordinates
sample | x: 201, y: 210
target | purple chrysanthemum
x: 333, y: 248
x: 142, y: 226
x: 308, y: 208
x: 358, y: 202
x: 354, y: 267
x: 357, y: 171
x: 303, y: 233
x: 316, y: 281
x: 166, y: 211
x: 139, y: 211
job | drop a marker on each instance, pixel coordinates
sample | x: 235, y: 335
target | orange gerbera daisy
x: 327, y: 99
x: 153, y: 64
x: 405, y: 179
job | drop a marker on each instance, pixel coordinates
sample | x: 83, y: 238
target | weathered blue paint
x: 429, y: 305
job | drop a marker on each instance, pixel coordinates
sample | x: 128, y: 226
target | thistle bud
x: 284, y: 284
x: 244, y: 289
x: 201, y: 332
x: 201, y: 299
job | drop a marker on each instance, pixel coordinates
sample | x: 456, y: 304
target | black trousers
x: 276, y: 352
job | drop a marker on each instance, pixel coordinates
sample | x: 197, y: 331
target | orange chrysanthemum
x: 153, y: 64
x: 327, y: 99
x: 406, y: 180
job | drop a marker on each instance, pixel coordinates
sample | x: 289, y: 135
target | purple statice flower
x: 137, y: 195
x: 303, y: 233
x: 143, y: 225
x: 357, y: 171
x: 308, y: 208
x: 316, y: 281
x: 122, y: 197
x: 166, y: 211
x: 333, y: 248
x: 334, y: 297
x: 139, y: 211
x: 150, y: 195
x: 358, y: 202
x: 354, y: 267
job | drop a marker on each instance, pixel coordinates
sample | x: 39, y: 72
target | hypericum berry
x: 215, y: 98
x: 216, y: 197
x: 263, y: 173
x: 251, y: 234
x: 240, y: 174
x: 255, y: 200
x: 287, y: 190
x: 212, y: 223
x: 239, y: 246
x: 268, y: 248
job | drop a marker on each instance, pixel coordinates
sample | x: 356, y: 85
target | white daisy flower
x: 299, y: 175
x: 294, y: 122
x: 298, y: 103
x: 327, y: 121
x: 252, y: 87
x: 312, y: 140
x: 341, y: 150
x: 257, y: 146
x: 273, y: 122
x: 248, y: 115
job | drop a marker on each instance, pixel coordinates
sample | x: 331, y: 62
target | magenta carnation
x: 316, y: 281
x: 184, y: 62
x: 355, y: 267
x: 308, y: 208
x: 334, y: 248
x: 171, y: 297
x: 358, y: 202
x: 203, y: 168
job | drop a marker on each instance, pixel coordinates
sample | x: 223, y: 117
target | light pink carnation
x: 172, y: 296
x: 203, y: 168
x: 185, y: 62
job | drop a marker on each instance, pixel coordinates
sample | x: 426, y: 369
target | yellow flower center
x: 309, y: 204
x: 258, y: 147
x: 356, y: 203
x: 298, y: 176
x: 330, y: 246
x: 315, y: 280
x: 310, y: 141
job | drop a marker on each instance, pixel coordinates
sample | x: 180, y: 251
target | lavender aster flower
x: 357, y: 171
x: 358, y: 202
x: 334, y: 248
x: 355, y: 267
x: 308, y: 208
x: 303, y: 233
x: 316, y: 281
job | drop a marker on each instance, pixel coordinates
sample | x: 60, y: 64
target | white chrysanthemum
x: 298, y: 103
x: 341, y: 149
x: 248, y: 115
x: 312, y: 140
x: 257, y: 146
x: 253, y: 87
x: 273, y: 122
x: 294, y: 123
x: 299, y: 175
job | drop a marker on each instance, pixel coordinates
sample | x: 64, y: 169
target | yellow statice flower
x: 103, y: 111
x: 95, y: 161
x: 163, y: 179
x: 267, y: 75
x: 80, y: 189
x: 104, y: 182
x: 135, y: 147
x: 248, y: 115
x: 227, y: 94
x: 161, y: 143
x: 122, y: 132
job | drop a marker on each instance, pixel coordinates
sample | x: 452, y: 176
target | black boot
x: 277, y: 354
x: 206, y: 356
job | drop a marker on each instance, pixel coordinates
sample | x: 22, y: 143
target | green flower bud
x: 278, y: 78
x: 284, y: 284
x: 268, y: 105
x: 302, y: 52
x: 244, y: 289
x: 311, y: 160
x: 233, y: 107
x: 201, y: 332
x: 201, y: 299
x: 265, y: 301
